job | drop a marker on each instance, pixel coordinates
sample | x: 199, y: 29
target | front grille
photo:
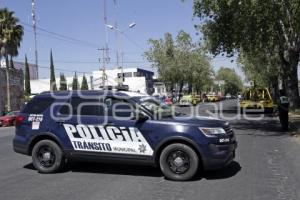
x: 229, y: 131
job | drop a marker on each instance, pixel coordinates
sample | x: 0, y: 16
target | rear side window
x: 81, y: 106
x: 38, y: 105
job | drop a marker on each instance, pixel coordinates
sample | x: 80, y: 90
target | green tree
x: 233, y: 83
x: 52, y: 74
x: 84, y: 84
x: 162, y: 55
x: 63, y: 82
x: 11, y: 34
x: 249, y: 26
x: 180, y: 61
x: 263, y: 69
x: 200, y: 72
x: 75, y: 83
x: 27, y: 78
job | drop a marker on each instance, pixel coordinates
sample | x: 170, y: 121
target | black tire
x: 47, y: 157
x: 187, y: 155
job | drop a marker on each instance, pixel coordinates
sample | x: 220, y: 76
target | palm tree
x: 11, y: 34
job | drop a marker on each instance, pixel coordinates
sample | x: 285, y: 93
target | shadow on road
x: 259, y: 128
x: 120, y: 169
x: 229, y: 171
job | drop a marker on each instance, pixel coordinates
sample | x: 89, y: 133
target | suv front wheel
x: 47, y: 156
x: 179, y: 162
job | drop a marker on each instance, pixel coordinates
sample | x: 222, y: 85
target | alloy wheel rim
x: 46, y: 156
x: 178, y: 162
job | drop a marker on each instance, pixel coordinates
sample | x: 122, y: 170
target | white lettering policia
x: 107, y: 139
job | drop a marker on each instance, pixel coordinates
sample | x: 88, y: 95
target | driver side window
x: 119, y: 108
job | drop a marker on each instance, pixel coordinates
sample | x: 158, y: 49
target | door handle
x: 110, y: 124
x: 60, y: 121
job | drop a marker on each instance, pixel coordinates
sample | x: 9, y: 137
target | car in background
x: 168, y: 101
x: 257, y: 100
x: 212, y: 97
x: 187, y: 100
x: 9, y: 119
x: 204, y: 98
x: 158, y: 97
x: 228, y: 96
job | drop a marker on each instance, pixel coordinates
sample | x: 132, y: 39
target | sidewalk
x: 295, y: 125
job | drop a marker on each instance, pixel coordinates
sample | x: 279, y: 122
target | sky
x: 75, y: 30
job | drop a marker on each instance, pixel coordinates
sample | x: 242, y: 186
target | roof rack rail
x: 118, y: 88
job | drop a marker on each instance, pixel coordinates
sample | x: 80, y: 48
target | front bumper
x: 219, y: 155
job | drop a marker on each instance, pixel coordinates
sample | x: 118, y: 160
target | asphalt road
x: 266, y: 167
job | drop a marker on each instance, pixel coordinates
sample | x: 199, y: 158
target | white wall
x: 134, y: 83
x: 42, y: 85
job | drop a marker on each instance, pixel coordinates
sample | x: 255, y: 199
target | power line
x: 63, y: 36
x: 57, y: 38
x: 64, y: 70
x: 87, y: 62
x: 83, y: 43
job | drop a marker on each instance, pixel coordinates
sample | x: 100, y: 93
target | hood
x: 198, y: 121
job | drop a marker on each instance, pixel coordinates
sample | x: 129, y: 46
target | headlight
x: 209, y: 132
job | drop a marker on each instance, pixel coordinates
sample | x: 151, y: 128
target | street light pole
x: 131, y: 25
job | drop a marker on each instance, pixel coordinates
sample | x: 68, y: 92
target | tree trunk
x: 180, y: 90
x: 7, y: 85
x: 190, y: 88
x: 290, y: 74
x: 274, y: 88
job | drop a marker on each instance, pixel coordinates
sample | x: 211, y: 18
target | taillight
x: 19, y: 120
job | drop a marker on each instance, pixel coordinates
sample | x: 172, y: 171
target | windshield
x: 257, y: 95
x: 157, y: 108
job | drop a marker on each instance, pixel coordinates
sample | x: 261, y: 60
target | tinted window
x: 119, y: 108
x: 81, y: 106
x: 38, y: 105
x: 126, y: 74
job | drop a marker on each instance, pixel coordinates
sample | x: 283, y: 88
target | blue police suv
x: 120, y: 126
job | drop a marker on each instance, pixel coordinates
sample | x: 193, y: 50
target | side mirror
x: 140, y: 117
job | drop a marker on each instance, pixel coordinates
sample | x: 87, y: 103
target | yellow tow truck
x: 257, y: 100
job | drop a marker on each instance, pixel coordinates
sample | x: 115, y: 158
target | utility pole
x: 118, y: 44
x: 35, y: 40
x: 105, y: 50
x: 105, y: 60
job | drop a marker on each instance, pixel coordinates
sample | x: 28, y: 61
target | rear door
x: 75, y: 123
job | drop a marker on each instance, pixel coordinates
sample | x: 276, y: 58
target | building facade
x: 16, y: 83
x: 137, y: 79
x: 33, y: 70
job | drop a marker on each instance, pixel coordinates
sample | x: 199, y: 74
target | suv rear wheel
x: 179, y: 162
x: 47, y: 156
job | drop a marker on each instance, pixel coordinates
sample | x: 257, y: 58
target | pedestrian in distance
x: 283, y: 109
